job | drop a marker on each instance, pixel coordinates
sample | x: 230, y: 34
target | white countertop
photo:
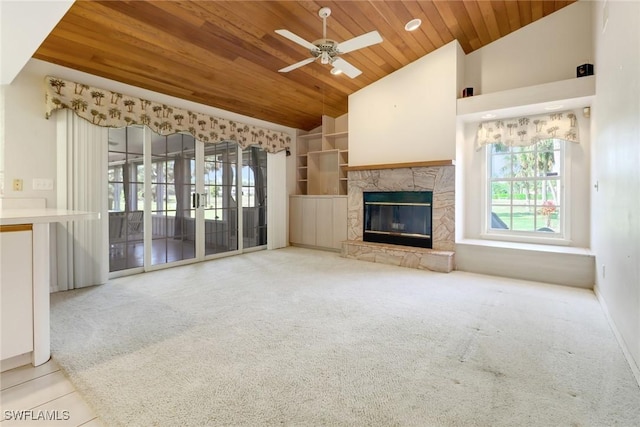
x: 43, y: 215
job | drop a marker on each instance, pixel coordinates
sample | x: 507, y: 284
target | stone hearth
x: 403, y: 256
x: 438, y: 179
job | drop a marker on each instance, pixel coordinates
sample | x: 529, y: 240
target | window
x: 526, y: 190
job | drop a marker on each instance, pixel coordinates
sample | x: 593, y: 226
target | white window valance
x: 112, y: 109
x: 528, y: 130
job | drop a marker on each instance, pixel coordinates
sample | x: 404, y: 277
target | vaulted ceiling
x: 226, y: 54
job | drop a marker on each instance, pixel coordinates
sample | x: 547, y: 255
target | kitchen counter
x: 42, y: 215
x: 25, y: 279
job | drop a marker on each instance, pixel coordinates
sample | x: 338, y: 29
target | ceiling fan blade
x: 296, y: 65
x: 359, y: 42
x: 346, y: 68
x: 297, y: 39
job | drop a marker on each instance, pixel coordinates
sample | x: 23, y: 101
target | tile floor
x: 39, y: 392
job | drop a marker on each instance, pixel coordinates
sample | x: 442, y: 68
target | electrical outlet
x: 604, y: 268
x: 17, y: 184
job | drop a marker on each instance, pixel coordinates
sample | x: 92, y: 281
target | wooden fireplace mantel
x: 403, y: 165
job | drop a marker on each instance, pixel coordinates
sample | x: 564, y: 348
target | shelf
x: 337, y: 134
x: 316, y: 153
x: 323, y: 157
x: 310, y: 135
x: 571, y: 94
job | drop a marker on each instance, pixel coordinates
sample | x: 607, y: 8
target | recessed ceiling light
x: 336, y: 71
x: 413, y: 24
x: 488, y: 116
x: 553, y: 107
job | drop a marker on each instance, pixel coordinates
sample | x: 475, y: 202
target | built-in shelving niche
x: 323, y: 158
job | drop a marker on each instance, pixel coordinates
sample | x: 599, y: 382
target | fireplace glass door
x: 398, y: 217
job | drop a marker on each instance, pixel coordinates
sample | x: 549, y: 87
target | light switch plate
x: 17, y: 184
x: 42, y: 184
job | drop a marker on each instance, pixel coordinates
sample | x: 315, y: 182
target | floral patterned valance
x: 529, y: 130
x: 112, y: 109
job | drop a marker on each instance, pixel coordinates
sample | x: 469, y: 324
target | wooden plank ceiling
x: 226, y: 54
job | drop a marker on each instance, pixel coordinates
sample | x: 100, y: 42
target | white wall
x: 544, y: 51
x: 23, y: 27
x: 30, y: 139
x: 409, y: 115
x: 615, y: 205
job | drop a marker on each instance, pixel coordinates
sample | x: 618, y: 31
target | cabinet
x: 322, y: 157
x: 318, y: 221
x: 16, y: 289
x: 24, y: 278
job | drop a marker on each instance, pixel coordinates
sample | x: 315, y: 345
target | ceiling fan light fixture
x: 336, y: 71
x: 412, y: 25
x: 329, y: 51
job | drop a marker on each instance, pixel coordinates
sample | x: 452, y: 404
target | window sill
x: 536, y: 247
x: 537, y: 239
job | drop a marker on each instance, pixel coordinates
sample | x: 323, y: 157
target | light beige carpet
x: 299, y: 337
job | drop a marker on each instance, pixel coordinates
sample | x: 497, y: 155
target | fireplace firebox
x: 398, y: 217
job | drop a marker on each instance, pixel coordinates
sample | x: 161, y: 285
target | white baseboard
x: 627, y: 354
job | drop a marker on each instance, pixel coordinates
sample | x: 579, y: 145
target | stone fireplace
x: 435, y: 177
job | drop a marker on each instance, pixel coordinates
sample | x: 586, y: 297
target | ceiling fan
x: 328, y: 50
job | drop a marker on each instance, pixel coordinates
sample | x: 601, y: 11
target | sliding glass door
x: 254, y: 197
x: 175, y: 200
x: 219, y: 203
x: 126, y: 198
x: 173, y: 184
